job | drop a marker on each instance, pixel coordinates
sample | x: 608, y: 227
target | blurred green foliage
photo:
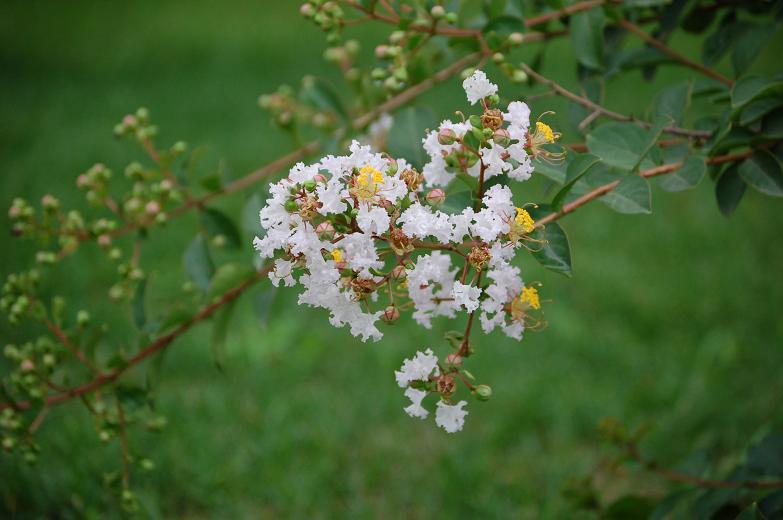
x: 671, y: 319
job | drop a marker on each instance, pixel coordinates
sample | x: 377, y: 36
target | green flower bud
x: 483, y: 392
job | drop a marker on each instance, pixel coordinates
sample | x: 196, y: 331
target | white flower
x: 415, y: 409
x: 282, y: 271
x: 375, y: 220
x: 477, y: 87
x: 451, y: 417
x: 498, y: 200
x: 417, y: 368
x: 466, y: 295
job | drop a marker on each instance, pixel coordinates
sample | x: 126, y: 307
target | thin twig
x: 63, y: 338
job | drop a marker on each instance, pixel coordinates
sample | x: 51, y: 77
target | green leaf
x: 198, y: 262
x: 555, y: 253
x: 755, y: 110
x: 729, y: 190
x: 250, y: 214
x: 751, y: 513
x: 502, y: 26
x: 220, y: 332
x: 227, y: 277
x: 719, y: 42
x: 406, y: 134
x: 618, y: 144
x: 456, y: 202
x: 772, y: 125
x: 763, y: 172
x: 653, y: 134
x: 748, y: 46
x: 629, y: 506
x: 218, y: 223
x: 631, y: 196
x: 213, y: 183
x: 686, y: 177
x: 555, y: 172
x: 262, y: 304
x: 139, y: 314
x: 749, y: 88
x: 576, y: 169
x: 766, y: 457
x: 673, y: 101
x: 322, y: 95
x: 587, y: 37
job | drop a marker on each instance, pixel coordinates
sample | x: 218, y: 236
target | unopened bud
x: 446, y: 136
x: 27, y: 365
x: 381, y: 51
x: 291, y: 205
x: 152, y: 208
x: 519, y: 76
x: 501, y: 137
x: 391, y: 314
x: 325, y: 231
x: 483, y: 392
x: 307, y: 10
x: 454, y: 359
x: 83, y: 318
x: 436, y: 196
x: 309, y: 185
x: 319, y: 178
x: 437, y: 12
x: 516, y: 38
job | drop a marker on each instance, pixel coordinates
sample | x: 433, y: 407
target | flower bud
x: 454, y: 359
x: 152, y: 208
x: 49, y: 202
x: 309, y: 185
x: 502, y: 138
x: 451, y: 18
x: 381, y: 51
x: 396, y: 37
x: 391, y: 314
x: 437, y: 12
x: 325, y: 230
x: 399, y: 273
x: 83, y: 318
x: 498, y: 57
x: 307, y: 10
x: 27, y: 365
x: 319, y: 178
x: 446, y: 136
x: 436, y: 196
x: 519, y: 76
x: 483, y: 392
x: 291, y: 205
x: 516, y: 38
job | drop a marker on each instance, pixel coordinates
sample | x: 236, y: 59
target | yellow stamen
x: 546, y: 132
x: 369, y: 177
x: 337, y: 254
x: 524, y: 220
x: 529, y: 296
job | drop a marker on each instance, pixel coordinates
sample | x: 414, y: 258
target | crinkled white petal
x: 451, y: 417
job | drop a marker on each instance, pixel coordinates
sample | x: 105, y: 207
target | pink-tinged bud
x: 436, y: 196
x: 446, y: 136
x: 454, y: 360
x: 502, y: 137
x: 325, y: 231
x: 152, y: 208
x: 27, y: 365
x: 319, y: 178
x: 399, y: 272
x: 49, y: 202
x: 82, y: 180
x: 129, y: 120
x: 104, y: 240
x: 307, y: 10
x: 391, y: 314
x: 392, y: 165
x: 166, y: 185
x: 14, y: 212
x: 381, y: 50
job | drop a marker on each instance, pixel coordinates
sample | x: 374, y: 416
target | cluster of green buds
x: 18, y: 293
x: 136, y: 126
x: 14, y: 437
x: 34, y: 363
x: 328, y: 15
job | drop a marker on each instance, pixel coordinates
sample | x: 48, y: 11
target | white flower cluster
x: 358, y: 235
x: 420, y: 368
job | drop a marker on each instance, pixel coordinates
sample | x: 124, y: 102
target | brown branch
x: 566, y: 11
x: 684, y: 478
x: 638, y: 31
x: 153, y: 348
x: 602, y: 190
x: 63, y: 338
x: 595, y: 107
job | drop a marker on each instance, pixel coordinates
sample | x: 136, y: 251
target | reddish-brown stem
x: 595, y: 107
x: 566, y: 11
x: 638, y: 31
x: 63, y: 338
x: 602, y: 190
x: 151, y: 349
x: 684, y: 478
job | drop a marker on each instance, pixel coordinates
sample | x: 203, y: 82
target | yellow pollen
x: 546, y: 131
x: 337, y: 254
x: 524, y: 220
x: 529, y: 296
x: 369, y: 177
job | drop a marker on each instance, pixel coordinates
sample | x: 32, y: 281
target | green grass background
x: 671, y: 319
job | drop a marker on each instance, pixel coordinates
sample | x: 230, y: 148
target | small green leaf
x: 729, y: 190
x: 753, y: 87
x: 763, y: 172
x: 686, y: 177
x: 772, y: 125
x: 555, y: 253
x: 406, y: 134
x: 755, y: 110
x: 139, y: 314
x: 322, y: 95
x: 213, y: 183
x: 218, y: 223
x: 554, y: 172
x: 719, y: 42
x: 673, y: 101
x: 631, y: 196
x: 618, y: 144
x: 748, y: 46
x: 250, y: 214
x: 198, y: 262
x: 456, y: 202
x: 576, y: 169
x: 587, y: 37
x: 502, y: 26
x: 227, y: 277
